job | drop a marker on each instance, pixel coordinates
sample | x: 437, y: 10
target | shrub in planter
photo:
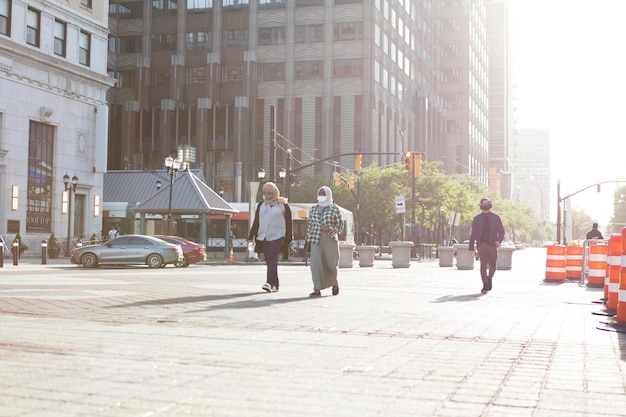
x: 54, y: 247
x: 21, y: 245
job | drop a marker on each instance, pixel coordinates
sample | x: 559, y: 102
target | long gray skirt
x: 324, y: 262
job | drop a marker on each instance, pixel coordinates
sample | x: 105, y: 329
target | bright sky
x: 570, y: 69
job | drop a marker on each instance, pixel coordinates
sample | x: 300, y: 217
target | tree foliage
x: 437, y: 195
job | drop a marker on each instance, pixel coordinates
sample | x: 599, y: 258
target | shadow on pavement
x: 184, y: 300
x: 457, y: 298
x: 252, y: 304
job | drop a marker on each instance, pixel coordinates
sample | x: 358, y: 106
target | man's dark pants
x: 488, y: 254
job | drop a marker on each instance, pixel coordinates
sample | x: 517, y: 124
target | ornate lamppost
x: 69, y: 188
x: 172, y: 165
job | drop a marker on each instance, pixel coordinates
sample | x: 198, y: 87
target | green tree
x: 581, y: 223
x: 618, y: 220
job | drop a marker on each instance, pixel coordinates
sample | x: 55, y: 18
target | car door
x: 138, y: 249
x: 115, y: 250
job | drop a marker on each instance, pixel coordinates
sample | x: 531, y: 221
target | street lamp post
x: 172, y: 165
x: 288, y: 173
x: 442, y: 211
x: 69, y: 188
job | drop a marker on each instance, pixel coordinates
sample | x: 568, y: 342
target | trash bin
x: 505, y: 258
x: 446, y: 256
x: 400, y: 254
x: 346, y: 251
x: 366, y: 255
x: 464, y: 258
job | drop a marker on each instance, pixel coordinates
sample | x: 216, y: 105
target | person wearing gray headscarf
x: 272, y: 232
x: 324, y: 226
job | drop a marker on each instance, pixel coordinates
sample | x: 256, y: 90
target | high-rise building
x: 531, y: 176
x: 235, y: 86
x: 501, y: 96
x: 465, y: 87
x: 53, y: 117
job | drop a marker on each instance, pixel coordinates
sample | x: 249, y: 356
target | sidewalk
x: 206, y: 341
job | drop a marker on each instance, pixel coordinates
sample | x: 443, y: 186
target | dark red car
x: 193, y: 252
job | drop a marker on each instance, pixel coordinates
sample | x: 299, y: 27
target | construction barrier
x: 574, y: 262
x: 555, y: 263
x: 614, y: 262
x: 621, y: 295
x: 595, y: 266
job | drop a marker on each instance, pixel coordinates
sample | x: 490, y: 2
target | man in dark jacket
x: 594, y: 233
x: 487, y: 233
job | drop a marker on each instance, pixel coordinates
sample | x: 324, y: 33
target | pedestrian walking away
x: 324, y: 226
x: 271, y: 232
x: 594, y: 233
x: 487, y: 234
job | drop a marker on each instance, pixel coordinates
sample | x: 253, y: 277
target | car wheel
x: 89, y: 260
x: 182, y: 264
x: 154, y: 260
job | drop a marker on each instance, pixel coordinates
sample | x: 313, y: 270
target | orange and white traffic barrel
x: 614, y: 262
x: 621, y: 294
x: 555, y: 263
x: 574, y: 262
x: 596, y: 262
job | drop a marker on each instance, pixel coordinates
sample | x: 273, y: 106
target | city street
x: 207, y: 341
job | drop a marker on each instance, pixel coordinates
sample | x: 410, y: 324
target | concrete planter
x: 505, y: 258
x: 366, y: 255
x: 464, y: 258
x: 446, y: 256
x: 346, y: 251
x: 400, y: 254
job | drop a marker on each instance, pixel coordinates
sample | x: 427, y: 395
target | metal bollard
x: 1, y: 255
x: 44, y: 249
x: 16, y: 251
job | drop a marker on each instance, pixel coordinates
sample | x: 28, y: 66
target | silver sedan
x: 128, y: 250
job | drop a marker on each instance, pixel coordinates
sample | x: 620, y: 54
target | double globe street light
x: 172, y: 165
x: 69, y: 188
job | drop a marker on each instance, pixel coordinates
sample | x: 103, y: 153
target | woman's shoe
x: 266, y: 287
x: 315, y: 293
x: 335, y: 289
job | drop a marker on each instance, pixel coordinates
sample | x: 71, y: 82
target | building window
x: 234, y: 3
x: 40, y: 180
x: 60, y: 30
x: 198, y: 40
x: 127, y: 10
x: 32, y: 26
x: 199, y: 5
x: 271, y: 3
x: 232, y: 73
x: 309, y: 33
x: 272, y: 72
x: 5, y: 17
x: 304, y: 3
x: 165, y: 6
x: 84, y: 48
x: 125, y: 79
x: 343, y: 68
x: 306, y: 70
x: 237, y: 37
x: 160, y: 77
x: 194, y: 75
x: 272, y: 36
x: 163, y: 42
x: 348, y: 31
x: 85, y: 3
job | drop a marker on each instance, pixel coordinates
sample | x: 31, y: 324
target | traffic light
x: 357, y: 162
x: 408, y: 160
x: 417, y: 165
x: 598, y: 185
x: 351, y: 183
x: 337, y: 177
